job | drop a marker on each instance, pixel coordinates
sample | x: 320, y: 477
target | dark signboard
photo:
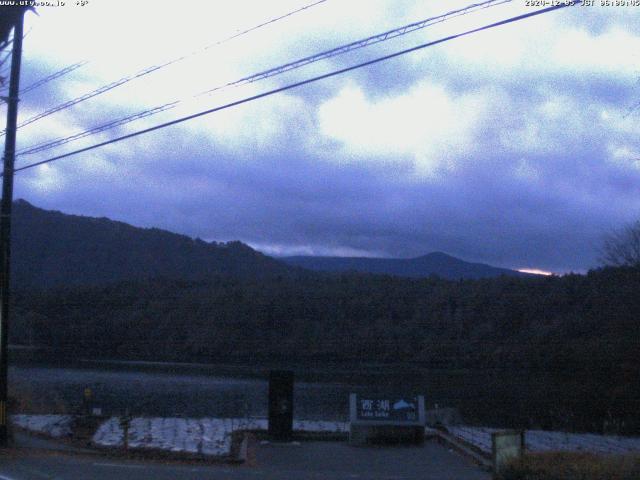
x: 281, y: 405
x: 392, y: 409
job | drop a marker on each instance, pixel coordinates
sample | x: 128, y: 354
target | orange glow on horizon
x: 535, y: 271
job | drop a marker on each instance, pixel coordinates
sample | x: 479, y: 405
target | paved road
x: 308, y: 461
x: 337, y: 460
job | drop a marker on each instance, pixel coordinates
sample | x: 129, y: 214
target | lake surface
x: 171, y: 394
x: 484, y: 397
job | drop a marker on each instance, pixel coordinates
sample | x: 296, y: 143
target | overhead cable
x: 303, y: 82
x: 381, y: 37
x: 151, y: 69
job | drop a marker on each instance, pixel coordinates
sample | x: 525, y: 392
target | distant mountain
x: 436, y: 263
x: 51, y: 248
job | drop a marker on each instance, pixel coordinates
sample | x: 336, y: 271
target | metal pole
x: 5, y: 221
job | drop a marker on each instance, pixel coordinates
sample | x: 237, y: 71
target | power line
x: 381, y: 37
x: 239, y: 34
x: 54, y: 75
x: 92, y: 131
x: 3, y: 61
x: 151, y: 69
x: 6, y: 44
x: 96, y: 92
x: 6, y: 57
x: 77, y: 65
x: 304, y: 82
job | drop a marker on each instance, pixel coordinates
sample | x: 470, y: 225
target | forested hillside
x: 53, y: 249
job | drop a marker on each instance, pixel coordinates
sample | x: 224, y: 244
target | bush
x: 572, y: 466
x: 23, y: 400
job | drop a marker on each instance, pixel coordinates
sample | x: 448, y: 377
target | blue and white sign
x: 387, y: 409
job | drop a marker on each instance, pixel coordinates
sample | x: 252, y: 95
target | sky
x: 517, y: 146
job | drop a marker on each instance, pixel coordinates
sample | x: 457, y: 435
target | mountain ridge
x: 52, y: 249
x: 434, y: 263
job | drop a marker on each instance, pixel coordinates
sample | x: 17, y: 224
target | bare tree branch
x: 622, y: 247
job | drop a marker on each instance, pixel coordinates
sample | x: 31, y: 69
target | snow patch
x: 545, y: 441
x: 109, y: 434
x: 320, y: 426
x: 204, y: 436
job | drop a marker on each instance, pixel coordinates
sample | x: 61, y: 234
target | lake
x: 142, y: 390
x: 485, y: 397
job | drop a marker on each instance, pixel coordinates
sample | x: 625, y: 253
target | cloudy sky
x: 517, y: 146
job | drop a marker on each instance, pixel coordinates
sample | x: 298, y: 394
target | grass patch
x: 573, y: 466
x: 23, y: 400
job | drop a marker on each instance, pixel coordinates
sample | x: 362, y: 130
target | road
x: 306, y: 461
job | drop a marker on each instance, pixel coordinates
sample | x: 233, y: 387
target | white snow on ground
x: 206, y: 436
x: 52, y: 425
x: 319, y: 426
x: 212, y: 436
x: 544, y: 441
x: 109, y: 434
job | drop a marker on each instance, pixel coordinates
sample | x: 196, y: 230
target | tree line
x: 552, y: 351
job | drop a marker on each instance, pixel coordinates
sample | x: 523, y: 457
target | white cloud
x: 614, y: 52
x: 263, y: 126
x: 526, y: 171
x: 426, y: 123
x: 281, y: 250
x: 533, y: 49
x: 45, y: 180
x: 624, y: 156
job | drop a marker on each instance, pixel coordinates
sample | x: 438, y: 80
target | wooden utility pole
x: 5, y: 219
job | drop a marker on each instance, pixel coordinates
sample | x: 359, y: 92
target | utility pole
x: 5, y: 221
